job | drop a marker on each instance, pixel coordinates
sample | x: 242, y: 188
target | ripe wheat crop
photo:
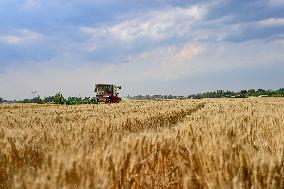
x: 210, y: 143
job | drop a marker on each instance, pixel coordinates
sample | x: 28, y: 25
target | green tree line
x: 240, y: 94
x: 59, y: 99
x: 217, y: 94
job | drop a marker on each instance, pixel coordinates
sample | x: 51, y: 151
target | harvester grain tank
x: 107, y: 93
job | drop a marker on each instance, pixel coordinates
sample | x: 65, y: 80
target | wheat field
x: 209, y: 143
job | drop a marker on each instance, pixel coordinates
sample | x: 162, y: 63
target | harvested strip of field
x: 232, y: 143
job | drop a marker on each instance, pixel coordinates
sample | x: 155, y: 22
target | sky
x: 176, y: 47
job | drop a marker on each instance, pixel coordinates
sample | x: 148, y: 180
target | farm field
x: 208, y: 143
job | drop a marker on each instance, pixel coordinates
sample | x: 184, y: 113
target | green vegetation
x: 218, y: 94
x: 58, y: 98
x: 240, y: 94
x: 75, y: 100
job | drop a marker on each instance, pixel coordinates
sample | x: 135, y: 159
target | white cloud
x: 271, y: 22
x: 22, y: 36
x: 154, y: 25
x: 174, y: 66
x: 171, y: 54
x: 11, y: 39
x: 188, y: 51
x: 165, y: 63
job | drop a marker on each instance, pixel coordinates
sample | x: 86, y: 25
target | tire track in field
x: 161, y: 120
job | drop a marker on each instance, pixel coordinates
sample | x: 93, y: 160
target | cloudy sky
x: 174, y: 47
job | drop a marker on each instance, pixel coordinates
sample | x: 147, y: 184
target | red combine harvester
x: 107, y: 93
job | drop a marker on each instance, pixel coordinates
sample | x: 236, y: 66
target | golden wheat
x: 210, y: 143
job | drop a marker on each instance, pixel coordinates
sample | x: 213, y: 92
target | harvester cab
x: 107, y: 93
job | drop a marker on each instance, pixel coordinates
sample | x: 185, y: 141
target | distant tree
x: 86, y: 100
x: 93, y: 100
x: 48, y: 99
x: 220, y: 93
x: 243, y: 92
x: 260, y: 90
x: 228, y: 94
x: 58, y: 99
x: 1, y: 100
x: 251, y: 92
x: 170, y: 97
x: 39, y: 100
x: 26, y: 101
x: 280, y: 91
x: 33, y: 100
